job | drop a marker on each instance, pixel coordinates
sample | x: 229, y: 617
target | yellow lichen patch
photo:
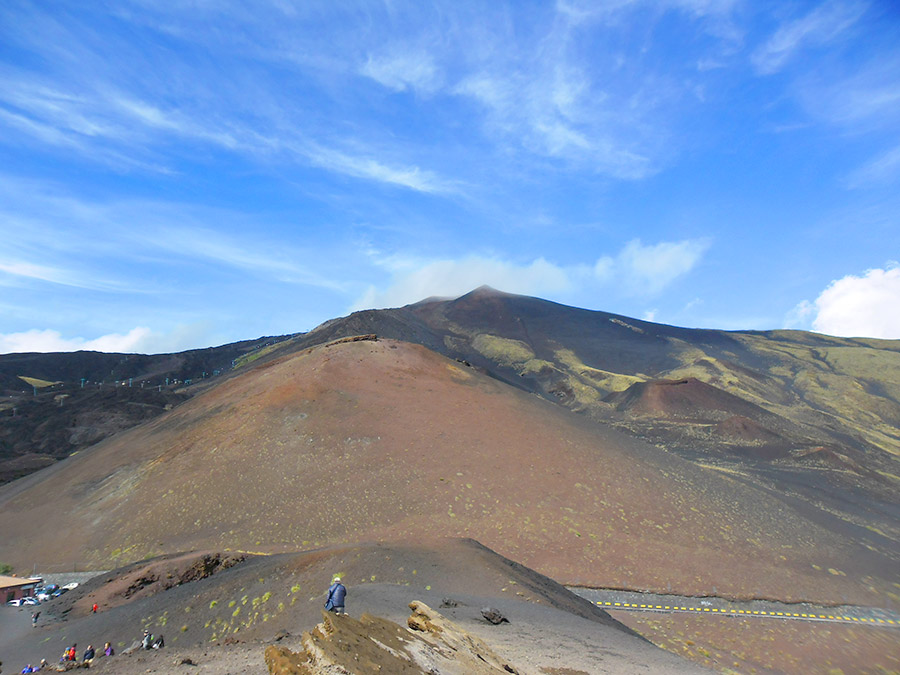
x: 534, y: 366
x: 268, y: 349
x: 594, y: 378
x: 584, y: 394
x: 712, y: 371
x: 458, y: 373
x: 503, y: 351
x: 831, y: 374
x: 876, y: 364
x: 35, y: 382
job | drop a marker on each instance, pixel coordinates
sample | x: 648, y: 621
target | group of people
x: 71, y: 654
x: 335, y: 602
x: 150, y: 641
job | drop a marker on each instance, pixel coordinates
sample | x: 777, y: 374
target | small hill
x: 687, y: 398
x: 221, y: 610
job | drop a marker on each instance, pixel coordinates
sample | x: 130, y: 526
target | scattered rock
x: 493, y: 616
x: 353, y: 338
x: 449, y: 602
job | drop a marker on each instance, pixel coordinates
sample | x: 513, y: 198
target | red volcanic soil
x: 681, y: 398
x: 754, y: 645
x: 742, y: 428
x: 388, y: 441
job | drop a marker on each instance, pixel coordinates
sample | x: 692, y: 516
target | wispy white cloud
x: 556, y: 115
x: 102, y: 110
x: 412, y: 177
x: 116, y: 120
x: 883, y: 169
x: 610, y: 114
x: 403, y: 68
x: 257, y: 254
x: 98, y: 245
x: 33, y: 271
x: 820, y: 26
x: 865, y: 98
x: 650, y: 268
x: 18, y: 272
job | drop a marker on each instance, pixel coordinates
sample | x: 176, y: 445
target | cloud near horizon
x: 636, y: 270
x: 52, y: 341
x: 138, y: 340
x: 856, y: 306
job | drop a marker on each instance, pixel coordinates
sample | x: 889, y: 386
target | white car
x: 71, y: 586
x: 14, y: 603
x: 30, y: 601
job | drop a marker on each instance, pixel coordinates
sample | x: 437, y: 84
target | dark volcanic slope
x: 71, y: 367
x: 83, y: 397
x: 390, y: 441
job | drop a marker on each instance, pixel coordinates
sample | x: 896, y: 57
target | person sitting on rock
x: 147, y: 642
x: 88, y: 654
x: 336, y: 595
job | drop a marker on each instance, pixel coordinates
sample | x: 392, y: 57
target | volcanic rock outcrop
x: 430, y: 644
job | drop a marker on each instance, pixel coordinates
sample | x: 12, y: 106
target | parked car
x: 58, y: 592
x: 14, y: 603
x: 30, y: 600
x: 71, y: 586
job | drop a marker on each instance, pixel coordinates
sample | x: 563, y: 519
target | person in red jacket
x: 94, y: 608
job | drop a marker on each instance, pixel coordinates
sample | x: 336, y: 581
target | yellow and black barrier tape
x: 748, y: 612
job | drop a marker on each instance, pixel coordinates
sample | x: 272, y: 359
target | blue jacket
x: 336, y: 594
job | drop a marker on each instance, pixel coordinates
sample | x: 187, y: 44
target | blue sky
x: 182, y: 174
